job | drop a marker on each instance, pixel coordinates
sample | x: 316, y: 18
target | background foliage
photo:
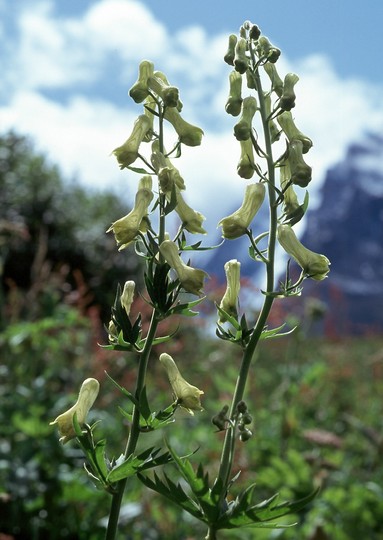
x: 315, y: 401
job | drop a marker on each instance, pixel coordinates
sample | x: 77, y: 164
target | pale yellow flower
x: 314, y: 265
x: 190, y: 278
x: 126, y: 229
x: 127, y: 296
x: 236, y: 224
x: 187, y: 395
x: 87, y: 396
x: 127, y: 153
x: 229, y: 302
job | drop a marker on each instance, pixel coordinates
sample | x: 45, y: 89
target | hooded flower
x: 242, y: 129
x: 191, y: 219
x: 300, y: 171
x: 287, y: 101
x: 246, y: 164
x: 126, y: 228
x: 159, y: 84
x: 139, y: 90
x: 234, y: 101
x: 128, y: 152
x: 187, y: 133
x: 237, y: 223
x: 229, y: 302
x: 188, y: 396
x: 314, y: 265
x: 127, y: 296
x: 191, y: 278
x: 285, y: 120
x: 87, y: 396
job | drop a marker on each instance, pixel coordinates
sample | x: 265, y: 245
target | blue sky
x: 67, y: 66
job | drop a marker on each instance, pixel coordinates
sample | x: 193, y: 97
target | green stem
x: 134, y: 431
x: 229, y: 442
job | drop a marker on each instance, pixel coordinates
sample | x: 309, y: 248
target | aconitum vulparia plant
x: 273, y: 161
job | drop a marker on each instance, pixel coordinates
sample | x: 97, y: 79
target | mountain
x: 347, y: 227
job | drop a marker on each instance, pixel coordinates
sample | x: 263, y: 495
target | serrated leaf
x: 173, y: 492
x: 133, y: 464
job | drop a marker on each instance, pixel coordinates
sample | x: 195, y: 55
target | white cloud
x: 63, y: 53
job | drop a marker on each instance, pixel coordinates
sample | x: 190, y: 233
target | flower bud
x: 246, y: 164
x: 128, y: 152
x: 162, y: 170
x: 254, y: 32
x: 274, y: 131
x: 127, y: 228
x: 245, y: 435
x: 234, y: 101
x: 314, y: 265
x: 238, y: 223
x: 241, y: 62
x: 242, y: 129
x: 188, y: 396
x: 191, y: 219
x: 291, y: 206
x: 127, y: 296
x: 159, y: 84
x: 187, y: 133
x: 171, y: 170
x: 87, y: 396
x: 300, y: 171
x: 267, y: 50
x: 287, y: 101
x: 139, y: 91
x: 285, y: 120
x: 276, y: 81
x: 229, y: 302
x: 230, y: 53
x: 191, y: 279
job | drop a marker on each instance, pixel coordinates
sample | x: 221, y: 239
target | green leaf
x: 134, y: 464
x: 126, y: 392
x: 275, y: 332
x: 173, y: 492
x: 199, y: 484
x: 138, y: 170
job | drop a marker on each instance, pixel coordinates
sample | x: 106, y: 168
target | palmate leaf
x: 173, y: 492
x: 134, y: 464
x: 199, y: 484
x: 241, y: 514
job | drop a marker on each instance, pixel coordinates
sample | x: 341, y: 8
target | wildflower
x: 128, y: 152
x: 229, y: 302
x: 191, y: 279
x: 314, y: 265
x: 242, y: 128
x: 187, y: 133
x: 268, y: 50
x: 188, y: 396
x: 127, y: 296
x: 292, y: 208
x: 285, y: 120
x: 246, y: 164
x: 87, y: 396
x: 139, y: 90
x: 160, y: 160
x: 127, y: 228
x: 230, y: 53
x: 300, y: 171
x: 237, y: 224
x: 276, y: 81
x: 191, y: 219
x: 287, y: 101
x: 159, y: 84
x: 241, y: 62
x: 234, y: 101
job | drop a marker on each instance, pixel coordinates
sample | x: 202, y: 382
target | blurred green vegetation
x: 316, y: 402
